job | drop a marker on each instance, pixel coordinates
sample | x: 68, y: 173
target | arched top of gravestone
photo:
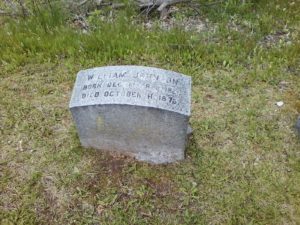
x: 133, y: 85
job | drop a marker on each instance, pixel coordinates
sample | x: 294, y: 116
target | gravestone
x: 135, y: 110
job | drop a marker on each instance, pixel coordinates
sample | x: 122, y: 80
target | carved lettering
x: 119, y: 75
x: 145, y: 87
x: 150, y: 96
x: 172, y: 81
x: 111, y: 94
x: 113, y: 84
x: 133, y: 94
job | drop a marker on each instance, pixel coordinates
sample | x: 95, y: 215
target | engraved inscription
x: 133, y: 85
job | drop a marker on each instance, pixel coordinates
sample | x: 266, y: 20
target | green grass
x: 243, y: 161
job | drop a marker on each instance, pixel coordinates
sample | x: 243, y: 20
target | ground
x: 242, y: 162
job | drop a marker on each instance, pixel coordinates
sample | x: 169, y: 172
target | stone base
x: 149, y: 134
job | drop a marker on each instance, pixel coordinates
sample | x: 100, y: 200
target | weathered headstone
x: 136, y: 110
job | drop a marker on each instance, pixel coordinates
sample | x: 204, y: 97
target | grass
x: 243, y: 161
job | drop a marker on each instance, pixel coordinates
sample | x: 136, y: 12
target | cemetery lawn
x: 242, y: 163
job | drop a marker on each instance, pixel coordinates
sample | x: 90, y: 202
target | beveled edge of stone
x: 189, y: 89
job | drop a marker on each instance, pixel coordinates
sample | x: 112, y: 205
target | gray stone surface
x: 135, y: 110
